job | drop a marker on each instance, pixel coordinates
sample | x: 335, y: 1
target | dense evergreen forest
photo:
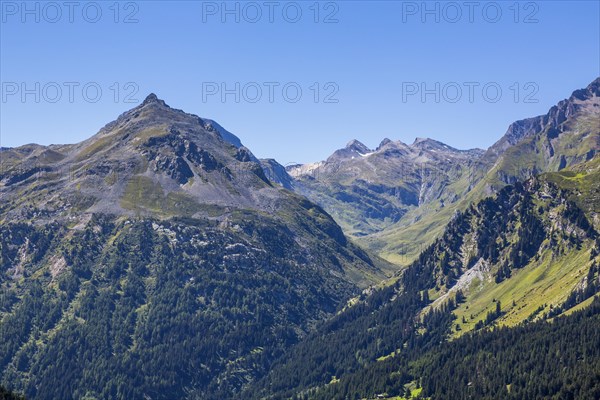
x: 7, y: 395
x: 542, y: 360
x: 128, y: 309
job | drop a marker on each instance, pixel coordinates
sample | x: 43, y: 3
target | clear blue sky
x: 374, y: 56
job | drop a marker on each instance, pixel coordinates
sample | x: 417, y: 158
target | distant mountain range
x: 387, y: 197
x: 369, y: 190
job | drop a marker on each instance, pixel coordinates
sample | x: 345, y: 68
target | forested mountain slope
x: 557, y: 360
x: 156, y: 260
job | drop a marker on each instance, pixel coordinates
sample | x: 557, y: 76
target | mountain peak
x: 592, y: 90
x: 353, y: 149
x: 421, y: 142
x: 153, y: 99
x: 357, y: 146
x: 383, y: 143
x: 428, y: 144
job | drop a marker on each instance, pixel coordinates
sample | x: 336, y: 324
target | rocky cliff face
x: 568, y: 134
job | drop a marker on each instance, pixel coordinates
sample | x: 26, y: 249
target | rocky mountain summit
x: 152, y: 159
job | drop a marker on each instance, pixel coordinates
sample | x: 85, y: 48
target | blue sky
x: 366, y: 70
